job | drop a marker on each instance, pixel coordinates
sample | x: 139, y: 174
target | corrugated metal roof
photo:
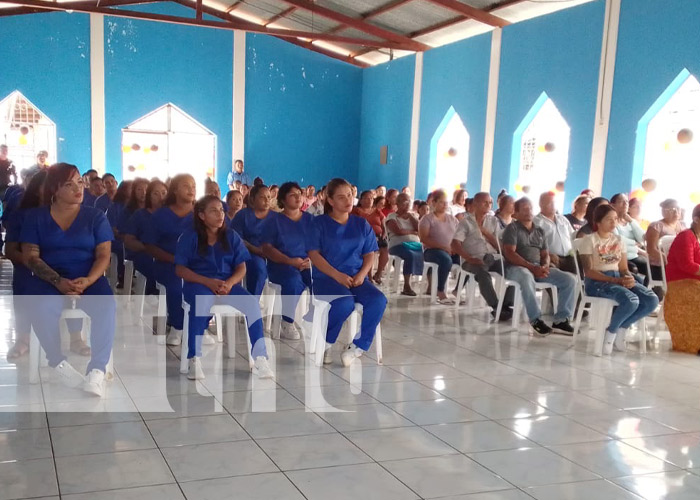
x: 413, y: 16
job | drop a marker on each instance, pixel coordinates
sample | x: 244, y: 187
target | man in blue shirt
x: 237, y: 174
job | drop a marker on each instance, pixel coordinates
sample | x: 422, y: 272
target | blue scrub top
x: 103, y: 202
x: 13, y: 227
x: 286, y: 235
x: 88, y: 198
x: 343, y: 246
x: 165, y: 228
x: 217, y: 263
x: 13, y: 197
x: 116, y: 214
x: 70, y: 253
x: 137, y: 224
x: 248, y: 226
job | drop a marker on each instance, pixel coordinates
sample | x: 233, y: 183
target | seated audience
x: 670, y: 225
x: 402, y: 230
x: 496, y: 224
x: 587, y: 228
x: 371, y: 210
x: 459, y: 197
x: 631, y: 233
x: 577, y: 217
x: 558, y: 232
x: 234, y: 201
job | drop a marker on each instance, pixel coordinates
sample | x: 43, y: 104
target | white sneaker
x: 212, y: 327
x: 195, y: 371
x: 620, y: 345
x: 609, y: 342
x: 68, y: 375
x: 350, y: 354
x: 174, y: 337
x: 262, y: 368
x: 95, y: 383
x: 288, y: 331
x: 208, y: 339
x: 327, y: 356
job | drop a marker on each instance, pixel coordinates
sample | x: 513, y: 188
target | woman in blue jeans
x: 402, y: 228
x: 605, y: 264
x: 436, y: 231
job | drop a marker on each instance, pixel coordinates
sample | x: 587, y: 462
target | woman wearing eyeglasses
x: 670, y: 225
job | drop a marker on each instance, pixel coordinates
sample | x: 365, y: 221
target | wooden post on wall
x: 605, y: 92
x: 239, y: 53
x: 415, y: 123
x: 491, y: 108
x: 97, y: 91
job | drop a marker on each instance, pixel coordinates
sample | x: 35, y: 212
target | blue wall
x: 387, y: 101
x: 47, y: 58
x: 148, y: 64
x: 302, y: 113
x: 658, y: 38
x: 454, y: 75
x: 558, y: 54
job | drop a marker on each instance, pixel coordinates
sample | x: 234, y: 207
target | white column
x: 97, y: 91
x: 491, y: 108
x: 415, y: 122
x: 605, y: 92
x: 238, y: 95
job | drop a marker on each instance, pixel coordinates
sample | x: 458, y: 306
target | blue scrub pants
x: 255, y: 275
x: 412, y: 259
x: 21, y: 303
x: 97, y: 301
x: 165, y: 275
x: 373, y: 302
x: 200, y: 298
x: 293, y: 283
x: 635, y: 303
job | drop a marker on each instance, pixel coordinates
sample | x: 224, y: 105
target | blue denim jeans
x: 566, y: 290
x: 412, y: 259
x: 634, y: 303
x: 444, y: 262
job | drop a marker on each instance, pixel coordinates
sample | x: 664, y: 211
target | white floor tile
x: 682, y: 450
x: 283, y: 424
x: 308, y: 452
x: 256, y: 487
x: 171, y: 432
x: 33, y: 478
x: 440, y: 411
x: 585, y: 490
x: 24, y: 444
x: 101, y: 438
x: 551, y: 430
x: 160, y: 492
x: 669, y: 485
x: 473, y: 437
x: 399, y: 443
x: 363, y: 417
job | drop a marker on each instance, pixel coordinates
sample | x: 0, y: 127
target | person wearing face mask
x: 341, y: 247
x: 670, y: 225
x: 136, y: 227
x: 284, y: 246
x: 607, y: 275
x: 210, y: 259
x: 248, y: 224
x: 166, y: 225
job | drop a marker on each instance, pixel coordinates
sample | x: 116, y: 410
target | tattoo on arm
x: 40, y: 268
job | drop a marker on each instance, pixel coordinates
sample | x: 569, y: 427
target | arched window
x: 541, y: 152
x: 449, y: 154
x: 667, y: 154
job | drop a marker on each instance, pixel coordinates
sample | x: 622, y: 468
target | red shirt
x: 683, y: 257
x: 375, y: 219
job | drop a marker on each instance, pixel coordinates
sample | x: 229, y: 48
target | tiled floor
x: 459, y: 410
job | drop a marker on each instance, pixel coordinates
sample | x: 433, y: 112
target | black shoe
x: 541, y: 327
x: 563, y: 327
x: 506, y: 315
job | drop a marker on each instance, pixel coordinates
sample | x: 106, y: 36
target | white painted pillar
x: 239, y: 53
x: 605, y: 91
x: 97, y: 92
x: 415, y: 122
x: 491, y: 108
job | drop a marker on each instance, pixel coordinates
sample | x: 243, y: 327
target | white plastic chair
x: 221, y: 313
x: 664, y: 245
x: 276, y: 315
x: 395, y: 266
x: 113, y: 275
x: 140, y: 292
x: 431, y: 267
x: 128, y: 276
x: 36, y: 353
x: 162, y: 310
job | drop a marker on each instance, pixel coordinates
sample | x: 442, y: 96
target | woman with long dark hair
x: 210, y: 258
x: 166, y: 225
x: 67, y: 247
x: 341, y: 247
x: 248, y: 224
x: 284, y: 246
x: 590, y: 210
x: 115, y: 215
x: 138, y: 225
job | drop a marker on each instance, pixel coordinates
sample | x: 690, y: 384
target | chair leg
x: 577, y: 323
x: 128, y: 276
x: 184, y: 343
x: 642, y: 326
x: 218, y: 318
x: 352, y: 325
x: 251, y: 361
x: 276, y: 322
x: 378, y: 342
x: 162, y: 311
x: 34, y: 357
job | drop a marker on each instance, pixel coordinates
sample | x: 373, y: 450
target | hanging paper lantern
x: 518, y: 188
x: 560, y: 187
x: 135, y: 147
x: 22, y: 140
x: 685, y: 136
x: 648, y: 185
x: 131, y: 168
x: 452, y: 152
x: 146, y: 150
x: 526, y: 189
x: 640, y: 194
x: 541, y: 149
x: 154, y: 148
x: 126, y: 149
x: 140, y: 166
x: 695, y: 197
x: 24, y: 130
x: 549, y: 147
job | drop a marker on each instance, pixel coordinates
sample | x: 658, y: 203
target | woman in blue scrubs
x: 21, y: 274
x: 137, y: 226
x: 67, y: 246
x: 115, y: 213
x: 166, y: 225
x: 341, y: 247
x: 111, y: 185
x: 210, y: 258
x: 284, y: 246
x: 248, y: 224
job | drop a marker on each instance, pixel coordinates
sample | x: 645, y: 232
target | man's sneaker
x: 608, y: 343
x: 174, y: 337
x: 620, y: 345
x: 350, y: 354
x: 95, y: 383
x: 327, y: 356
x: 541, y: 327
x: 68, y: 375
x: 563, y: 327
x: 506, y: 314
x: 288, y: 331
x: 195, y: 371
x: 262, y: 368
